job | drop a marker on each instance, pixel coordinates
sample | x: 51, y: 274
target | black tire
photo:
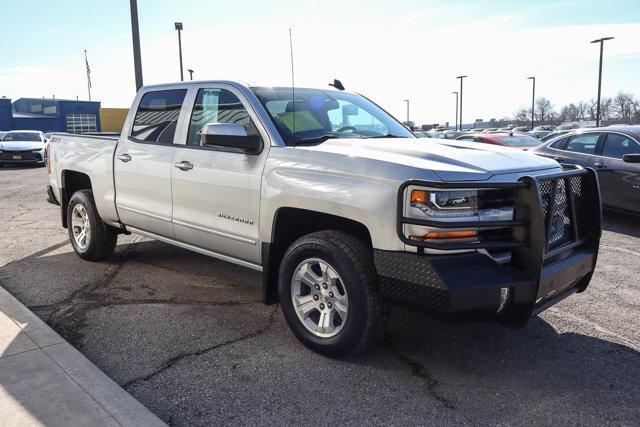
x: 103, y: 238
x: 353, y: 261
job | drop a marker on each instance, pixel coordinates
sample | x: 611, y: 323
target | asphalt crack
x: 419, y: 371
x: 169, y: 363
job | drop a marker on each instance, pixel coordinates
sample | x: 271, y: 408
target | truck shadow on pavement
x: 188, y: 337
x: 621, y: 223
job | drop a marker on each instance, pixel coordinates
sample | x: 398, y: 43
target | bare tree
x: 623, y: 105
x: 522, y: 115
x: 605, y: 108
x: 544, y: 110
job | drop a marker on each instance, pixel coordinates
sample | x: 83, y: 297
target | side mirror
x: 230, y: 135
x: 631, y: 158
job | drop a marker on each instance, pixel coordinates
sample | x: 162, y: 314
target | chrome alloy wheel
x: 319, y: 297
x: 81, y: 226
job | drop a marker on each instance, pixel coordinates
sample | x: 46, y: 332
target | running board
x: 197, y: 249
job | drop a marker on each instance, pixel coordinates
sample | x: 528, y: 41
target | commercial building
x: 50, y: 115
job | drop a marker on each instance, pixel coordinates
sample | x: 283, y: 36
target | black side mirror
x: 232, y: 136
x: 631, y: 158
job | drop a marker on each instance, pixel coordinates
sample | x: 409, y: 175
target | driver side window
x: 349, y: 116
x: 217, y: 106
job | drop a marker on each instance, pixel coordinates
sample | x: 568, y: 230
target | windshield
x: 21, y: 136
x: 519, y: 141
x: 321, y: 114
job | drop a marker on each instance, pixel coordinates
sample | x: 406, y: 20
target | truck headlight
x: 445, y: 204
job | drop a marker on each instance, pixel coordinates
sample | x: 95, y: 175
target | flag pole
x: 88, y: 74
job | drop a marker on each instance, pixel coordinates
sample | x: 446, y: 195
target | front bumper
x: 26, y: 156
x: 541, y: 272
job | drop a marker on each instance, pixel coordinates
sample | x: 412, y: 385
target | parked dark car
x: 614, y: 152
x: 514, y: 140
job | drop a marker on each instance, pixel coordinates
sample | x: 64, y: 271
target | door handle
x: 599, y: 165
x: 124, y: 157
x: 183, y: 165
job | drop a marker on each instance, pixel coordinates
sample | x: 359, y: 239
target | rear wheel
x: 90, y: 237
x: 328, y: 292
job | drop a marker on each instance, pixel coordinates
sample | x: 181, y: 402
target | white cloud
x: 388, y: 58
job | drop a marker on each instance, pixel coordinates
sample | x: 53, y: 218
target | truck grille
x: 560, y: 201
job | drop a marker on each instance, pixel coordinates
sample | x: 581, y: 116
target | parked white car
x: 23, y: 146
x: 340, y: 207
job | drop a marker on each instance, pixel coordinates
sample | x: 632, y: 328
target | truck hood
x: 450, y: 160
x: 21, y: 145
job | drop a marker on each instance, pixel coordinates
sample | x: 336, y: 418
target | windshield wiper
x: 315, y: 139
x: 383, y: 136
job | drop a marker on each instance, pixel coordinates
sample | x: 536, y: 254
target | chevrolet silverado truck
x: 342, y: 208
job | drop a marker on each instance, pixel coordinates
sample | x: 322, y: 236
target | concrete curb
x: 114, y: 401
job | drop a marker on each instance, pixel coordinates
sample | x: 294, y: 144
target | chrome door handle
x: 183, y: 165
x: 599, y: 165
x: 124, y: 157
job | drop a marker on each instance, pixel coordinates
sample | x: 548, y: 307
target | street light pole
x: 533, y: 100
x: 456, y: 109
x: 135, y: 35
x: 407, y: 101
x: 461, y: 78
x: 190, y: 74
x: 601, y: 41
x: 178, y: 26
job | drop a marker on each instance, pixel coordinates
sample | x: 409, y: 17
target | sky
x: 386, y: 50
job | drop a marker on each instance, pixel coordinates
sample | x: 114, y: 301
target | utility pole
x: 407, y: 101
x: 461, y: 78
x: 601, y: 41
x: 190, y: 73
x: 135, y: 35
x: 456, y: 109
x: 178, y: 26
x: 533, y: 100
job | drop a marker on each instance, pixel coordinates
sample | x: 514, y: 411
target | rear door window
x: 584, y: 144
x: 157, y: 116
x: 617, y: 145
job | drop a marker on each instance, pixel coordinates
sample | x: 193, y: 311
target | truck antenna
x: 293, y: 85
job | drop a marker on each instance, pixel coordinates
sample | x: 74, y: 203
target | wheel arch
x: 71, y: 181
x: 290, y: 224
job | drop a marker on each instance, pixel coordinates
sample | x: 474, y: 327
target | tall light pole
x: 533, y: 100
x: 601, y: 41
x: 135, y: 35
x: 178, y: 26
x: 456, y: 109
x: 190, y: 74
x: 461, y: 78
x: 407, y: 101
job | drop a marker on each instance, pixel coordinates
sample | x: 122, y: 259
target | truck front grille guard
x: 553, y: 214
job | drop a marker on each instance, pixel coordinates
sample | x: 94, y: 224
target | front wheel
x: 328, y: 291
x: 91, y: 238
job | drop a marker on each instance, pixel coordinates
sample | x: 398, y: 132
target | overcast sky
x: 387, y: 50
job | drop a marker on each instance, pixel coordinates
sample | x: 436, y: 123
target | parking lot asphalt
x: 187, y: 336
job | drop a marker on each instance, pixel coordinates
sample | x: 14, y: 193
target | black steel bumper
x: 543, y: 268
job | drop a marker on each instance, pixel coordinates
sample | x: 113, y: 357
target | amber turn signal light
x: 446, y: 235
x: 419, y: 196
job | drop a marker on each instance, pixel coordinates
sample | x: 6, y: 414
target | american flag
x: 88, y: 69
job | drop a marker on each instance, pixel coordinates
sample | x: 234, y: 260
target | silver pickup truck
x: 339, y: 206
